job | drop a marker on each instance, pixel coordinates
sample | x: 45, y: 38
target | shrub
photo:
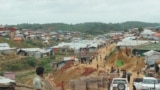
x: 53, y: 57
x: 31, y: 61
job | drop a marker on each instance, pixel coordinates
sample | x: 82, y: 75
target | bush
x: 11, y: 67
x: 48, y: 68
x: 27, y: 63
x: 53, y: 57
x: 31, y: 61
x: 47, y: 63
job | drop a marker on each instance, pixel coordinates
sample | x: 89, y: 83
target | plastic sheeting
x: 151, y: 52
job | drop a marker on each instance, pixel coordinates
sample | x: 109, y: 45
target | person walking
x: 100, y: 57
x: 128, y: 77
x: 118, y: 72
x: 108, y: 83
x: 97, y: 58
x: 38, y: 83
x: 124, y: 74
x: 97, y: 66
x: 137, y: 73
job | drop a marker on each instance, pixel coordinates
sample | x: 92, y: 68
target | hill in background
x: 89, y: 27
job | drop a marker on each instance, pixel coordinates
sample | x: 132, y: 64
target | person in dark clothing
x: 134, y: 88
x: 128, y: 77
x: 118, y: 72
x: 137, y: 73
x: 108, y: 83
x: 124, y: 74
x: 97, y: 66
x: 112, y: 70
x: 100, y: 57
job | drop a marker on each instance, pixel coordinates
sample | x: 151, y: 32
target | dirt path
x: 106, y: 51
x: 101, y: 55
x: 22, y: 88
x: 134, y: 73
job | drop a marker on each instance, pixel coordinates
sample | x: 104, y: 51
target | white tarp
x: 129, y: 38
x: 70, y: 58
x: 151, y: 53
x: 34, y: 50
x: 93, y: 45
x: 151, y: 57
x: 4, y: 45
x: 6, y: 48
x: 4, y: 80
x: 76, y: 45
x: 147, y: 31
x: 131, y: 43
x: 79, y: 44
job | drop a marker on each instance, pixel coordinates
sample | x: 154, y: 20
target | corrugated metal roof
x: 35, y: 50
x: 131, y: 43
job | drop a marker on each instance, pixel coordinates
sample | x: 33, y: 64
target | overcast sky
x: 78, y: 11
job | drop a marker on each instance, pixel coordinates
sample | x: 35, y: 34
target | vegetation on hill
x: 90, y: 27
x: 28, y: 63
x: 23, y: 44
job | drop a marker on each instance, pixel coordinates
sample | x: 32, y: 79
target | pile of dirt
x: 88, y: 71
x: 129, y: 61
x: 67, y: 65
x: 65, y: 76
x: 74, y: 72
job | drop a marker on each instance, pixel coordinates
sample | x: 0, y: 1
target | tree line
x: 89, y: 27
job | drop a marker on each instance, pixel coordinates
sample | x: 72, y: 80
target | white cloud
x: 78, y: 11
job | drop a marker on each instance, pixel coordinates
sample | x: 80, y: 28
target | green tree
x: 140, y: 29
x: 30, y: 61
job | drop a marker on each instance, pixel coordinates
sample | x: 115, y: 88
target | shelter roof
x: 151, y: 52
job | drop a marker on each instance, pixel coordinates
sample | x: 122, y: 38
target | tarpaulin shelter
x: 151, y: 57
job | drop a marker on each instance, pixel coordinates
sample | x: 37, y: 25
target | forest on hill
x: 89, y: 27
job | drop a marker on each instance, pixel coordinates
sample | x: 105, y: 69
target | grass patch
x: 20, y: 77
